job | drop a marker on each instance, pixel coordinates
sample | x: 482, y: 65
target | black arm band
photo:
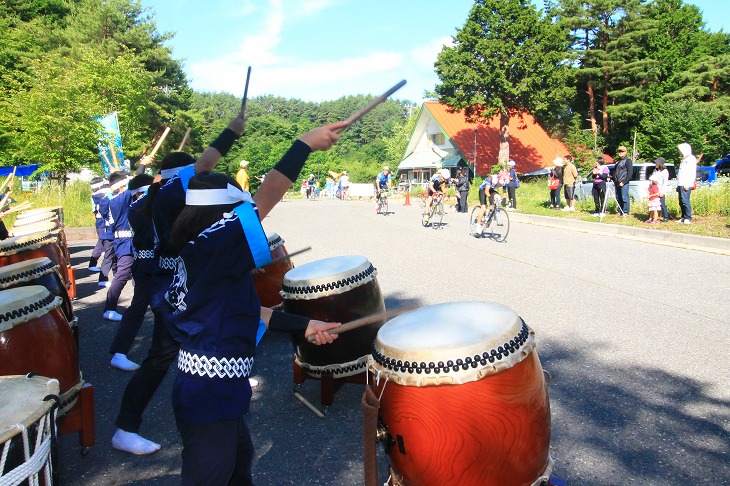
x: 283, y: 322
x: 224, y: 142
x: 293, y: 160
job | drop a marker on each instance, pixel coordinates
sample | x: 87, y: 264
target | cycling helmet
x: 445, y: 173
x: 386, y: 168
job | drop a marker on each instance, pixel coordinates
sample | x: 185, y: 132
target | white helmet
x: 386, y: 168
x: 445, y: 173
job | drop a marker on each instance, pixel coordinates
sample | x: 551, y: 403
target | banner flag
x: 110, y: 146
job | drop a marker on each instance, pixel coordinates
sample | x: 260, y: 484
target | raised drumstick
x: 245, y: 92
x: 364, y: 321
x: 369, y: 107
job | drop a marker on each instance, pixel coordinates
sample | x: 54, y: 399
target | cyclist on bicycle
x: 311, y: 186
x: 489, y: 186
x: 435, y: 188
x: 383, y: 182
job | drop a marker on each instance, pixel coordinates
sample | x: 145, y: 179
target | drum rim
x: 321, y: 286
x: 275, y: 241
x: 462, y: 364
x: 25, y: 271
x: 16, y: 244
x: 22, y: 309
x: 10, y: 428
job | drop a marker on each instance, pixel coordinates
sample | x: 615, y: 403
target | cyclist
x: 435, y: 189
x: 311, y: 186
x: 383, y: 182
x: 489, y: 185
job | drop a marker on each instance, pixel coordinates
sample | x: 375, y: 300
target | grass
x: 710, y: 206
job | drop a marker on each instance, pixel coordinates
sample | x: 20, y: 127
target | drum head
x: 25, y: 271
x: 274, y: 239
x: 32, y: 241
x: 21, y: 402
x: 451, y: 343
x: 49, y: 226
x: 36, y: 218
x: 330, y: 276
x: 25, y: 304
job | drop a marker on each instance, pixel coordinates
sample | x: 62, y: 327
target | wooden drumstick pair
x: 366, y: 320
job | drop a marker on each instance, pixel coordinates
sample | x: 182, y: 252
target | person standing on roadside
x: 661, y: 174
x: 622, y: 173
x: 600, y: 176
x: 462, y: 191
x: 570, y: 175
x: 556, y: 182
x: 686, y: 178
x: 242, y: 175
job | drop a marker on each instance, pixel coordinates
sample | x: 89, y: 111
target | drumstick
x: 8, y: 179
x: 309, y: 405
x: 245, y: 92
x: 286, y: 257
x: 369, y: 107
x: 364, y: 321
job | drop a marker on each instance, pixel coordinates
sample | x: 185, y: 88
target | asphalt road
x: 634, y: 334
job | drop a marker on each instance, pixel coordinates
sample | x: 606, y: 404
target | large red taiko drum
x: 34, y: 245
x: 35, y: 337
x: 38, y: 271
x: 269, y: 278
x: 336, y: 289
x: 463, y: 397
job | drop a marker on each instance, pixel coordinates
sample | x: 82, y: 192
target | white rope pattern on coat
x: 212, y: 367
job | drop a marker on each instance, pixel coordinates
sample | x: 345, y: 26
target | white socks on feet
x: 121, y: 362
x: 133, y: 443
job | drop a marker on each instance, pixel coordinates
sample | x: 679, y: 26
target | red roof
x: 529, y: 145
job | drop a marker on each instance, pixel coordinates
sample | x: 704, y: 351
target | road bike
x: 436, y: 215
x: 382, y: 203
x: 494, y: 224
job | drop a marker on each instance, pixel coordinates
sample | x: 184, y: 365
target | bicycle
x: 382, y: 203
x: 495, y: 222
x: 436, y: 215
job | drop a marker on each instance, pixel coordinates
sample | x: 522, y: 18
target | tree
x: 506, y: 60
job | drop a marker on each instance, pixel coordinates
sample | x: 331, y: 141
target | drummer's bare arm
x: 221, y: 145
x: 282, y: 176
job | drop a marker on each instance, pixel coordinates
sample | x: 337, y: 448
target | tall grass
x: 75, y: 200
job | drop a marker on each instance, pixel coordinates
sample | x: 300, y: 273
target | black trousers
x: 148, y: 377
x: 109, y: 259
x: 463, y: 203
x: 512, y: 192
x: 216, y: 454
x: 599, y: 194
x: 134, y: 315
x: 121, y: 276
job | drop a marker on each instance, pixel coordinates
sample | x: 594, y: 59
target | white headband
x: 170, y: 173
x: 119, y: 184
x: 139, y: 189
x: 214, y: 197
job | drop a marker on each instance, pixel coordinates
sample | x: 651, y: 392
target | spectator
x: 600, y: 176
x: 686, y: 178
x: 242, y: 175
x: 622, y: 173
x: 556, y: 182
x: 570, y: 175
x: 654, y: 201
x: 462, y: 191
x: 661, y: 174
x: 345, y: 186
x: 512, y: 186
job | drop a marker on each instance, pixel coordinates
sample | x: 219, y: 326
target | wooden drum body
x: 38, y: 271
x: 337, y: 289
x: 464, y: 400
x: 268, y: 279
x: 35, y: 337
x: 25, y: 429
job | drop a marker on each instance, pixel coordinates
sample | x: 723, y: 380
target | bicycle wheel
x: 438, y: 215
x: 499, y: 225
x: 476, y: 229
x: 384, y: 206
x: 425, y: 218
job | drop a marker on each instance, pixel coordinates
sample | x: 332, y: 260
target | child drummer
x: 215, y: 313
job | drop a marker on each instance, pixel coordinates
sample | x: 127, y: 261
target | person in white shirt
x: 685, y: 181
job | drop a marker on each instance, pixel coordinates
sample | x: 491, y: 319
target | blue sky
x: 318, y: 50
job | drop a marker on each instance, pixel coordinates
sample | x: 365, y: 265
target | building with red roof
x: 445, y: 139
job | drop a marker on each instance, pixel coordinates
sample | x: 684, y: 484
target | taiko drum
x: 52, y: 226
x: 464, y: 399
x: 34, y: 245
x: 268, y: 280
x: 25, y: 429
x: 336, y: 289
x: 37, y: 271
x: 35, y: 337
